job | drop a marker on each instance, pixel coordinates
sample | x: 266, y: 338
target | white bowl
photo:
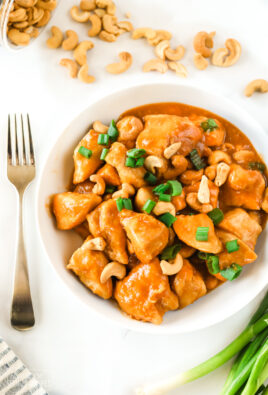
x: 59, y: 245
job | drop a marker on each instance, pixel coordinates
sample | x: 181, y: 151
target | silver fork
x: 20, y: 172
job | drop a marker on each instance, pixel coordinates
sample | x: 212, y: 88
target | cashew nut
x: 26, y: 3
x: 20, y: 25
x: 17, y: 15
x: 164, y: 207
x: 87, y: 5
x: 200, y: 62
x: 80, y: 52
x: 47, y: 5
x: 71, y: 41
x: 99, y: 188
x: 79, y: 16
x: 105, y: 36
x: 109, y: 24
x: 259, y: 85
x: 210, y: 172
x: 192, y: 201
x: 151, y: 162
x: 84, y: 76
x: 56, y: 39
x: 125, y: 191
x: 160, y: 36
x: 96, y: 25
x: 203, y: 42
x: 155, y: 65
x: 125, y: 25
x: 219, y: 156
x: 203, y: 194
x: 179, y: 68
x: 161, y: 48
x: 100, y: 127
x: 96, y: 244
x: 71, y: 65
x: 172, y: 150
x: 143, y: 32
x: 100, y: 12
x: 32, y: 31
x: 175, y: 54
x: 44, y: 20
x: 222, y: 173
x: 172, y: 267
x: 225, y: 57
x: 108, y: 4
x: 18, y: 38
x: 38, y: 14
x: 122, y: 66
x: 113, y: 269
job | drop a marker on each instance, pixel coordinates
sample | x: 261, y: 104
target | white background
x: 70, y: 350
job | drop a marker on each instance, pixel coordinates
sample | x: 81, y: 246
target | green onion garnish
x: 232, y: 272
x: 136, y: 153
x: 130, y: 162
x: 167, y: 219
x: 176, y: 187
x: 110, y: 189
x: 149, y: 206
x: 150, y: 178
x: 119, y: 204
x: 196, y: 160
x: 140, y: 162
x: 113, y: 131
x: 213, y: 264
x: 103, y: 139
x: 104, y: 152
x: 161, y: 188
x: 203, y: 255
x: 256, y: 166
x: 202, y: 233
x: 85, y: 152
x: 170, y: 252
x: 232, y: 246
x: 123, y: 203
x: 216, y: 215
x: 163, y: 197
x: 209, y: 125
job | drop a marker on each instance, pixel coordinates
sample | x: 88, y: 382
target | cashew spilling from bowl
x: 258, y: 85
x: 79, y: 16
x: 109, y: 24
x: 84, y: 76
x: 113, y: 269
x: 70, y: 43
x: 18, y: 38
x: 155, y: 65
x: 200, y: 62
x: 47, y: 5
x: 26, y: 3
x: 96, y: 25
x: 122, y: 66
x: 172, y: 150
x: 125, y: 25
x: 161, y: 48
x: 226, y: 57
x: 143, y: 32
x: 179, y: 68
x: 80, y: 52
x: 125, y: 191
x: 203, y: 42
x: 99, y: 188
x: 96, y: 244
x: 164, y: 207
x: 56, y: 39
x: 203, y: 193
x: 152, y: 162
x: 109, y: 37
x: 100, y: 127
x: 172, y: 267
x: 222, y: 173
x: 71, y: 66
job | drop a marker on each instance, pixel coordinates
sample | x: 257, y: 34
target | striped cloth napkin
x: 15, y: 378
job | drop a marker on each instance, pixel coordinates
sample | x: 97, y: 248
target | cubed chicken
x: 188, y: 284
x: 212, y: 138
x: 71, y: 208
x: 88, y: 265
x: 186, y: 227
x: 84, y: 167
x: 104, y: 221
x: 129, y: 128
x: 147, y: 235
x: 145, y: 293
x: 109, y: 174
x: 213, y: 190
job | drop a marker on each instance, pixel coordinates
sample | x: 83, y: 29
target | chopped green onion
x: 161, y: 188
x: 150, y: 178
x: 213, y: 264
x: 256, y: 166
x: 163, y: 197
x: 167, y: 219
x: 209, y: 125
x: 104, y: 152
x: 232, y: 246
x: 232, y: 272
x: 202, y: 233
x: 196, y: 160
x: 140, y: 162
x: 149, y: 206
x: 203, y: 255
x: 110, y: 189
x: 176, y: 187
x: 170, y: 252
x: 85, y: 152
x: 103, y: 139
x: 216, y: 215
x: 113, y: 131
x: 127, y: 203
x: 119, y: 204
x: 130, y: 162
x: 136, y: 153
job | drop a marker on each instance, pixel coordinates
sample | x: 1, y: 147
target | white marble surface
x: 70, y: 350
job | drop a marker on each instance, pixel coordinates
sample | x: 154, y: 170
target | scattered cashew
x: 100, y: 12
x: 125, y: 25
x: 18, y: 38
x: 100, y: 127
x: 105, y: 36
x: 143, y: 32
x: 203, y: 194
x: 99, y: 188
x: 259, y: 85
x: 125, y: 191
x: 87, y: 5
x: 47, y: 5
x: 79, y: 16
x: 161, y: 48
x: 179, y: 68
x: 56, y: 39
x: 152, y: 162
x: 172, y: 267
x: 172, y: 150
x: 80, y: 52
x: 192, y: 201
x: 44, y: 20
x: 200, y: 62
x: 71, y: 65
x: 222, y: 173
x: 109, y: 24
x: 96, y: 25
x: 122, y: 66
x: 71, y: 41
x: 219, y: 156
x: 164, y: 207
x: 84, y: 76
x: 155, y: 65
x: 225, y: 57
x: 175, y: 54
x: 159, y: 36
x: 112, y: 269
x: 96, y: 244
x: 203, y: 42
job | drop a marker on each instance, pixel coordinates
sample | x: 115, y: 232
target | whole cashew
x: 172, y: 150
x: 38, y: 14
x: 219, y: 156
x: 203, y: 42
x: 122, y: 66
x: 152, y: 162
x: 71, y: 41
x: 161, y: 48
x: 192, y: 201
x: 47, y: 5
x: 105, y: 36
x: 84, y: 76
x: 99, y: 188
x: 113, y: 269
x: 222, y: 173
x: 87, y: 5
x: 225, y: 57
x: 109, y: 24
x: 79, y: 16
x: 155, y: 65
x: 175, y: 54
x: 143, y: 32
x: 108, y: 4
x: 160, y: 36
x: 100, y: 127
x: 17, y: 15
x: 172, y: 267
x: 96, y: 25
x: 259, y: 85
x: 18, y: 38
x: 179, y: 68
x: 96, y: 244
x: 211, y: 171
x: 71, y: 65
x: 20, y: 25
x: 200, y: 62
x: 164, y: 207
x: 125, y: 25
x: 125, y: 191
x: 44, y: 20
x: 203, y: 194
x: 32, y: 31
x: 26, y: 3
x: 80, y: 52
x: 56, y: 39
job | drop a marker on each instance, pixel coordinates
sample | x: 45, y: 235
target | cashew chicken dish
x: 169, y: 201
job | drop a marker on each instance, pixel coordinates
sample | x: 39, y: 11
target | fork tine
x: 23, y: 141
x: 9, y: 149
x: 32, y: 159
x: 16, y: 143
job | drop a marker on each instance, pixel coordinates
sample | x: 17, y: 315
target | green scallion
x: 104, y: 152
x: 231, y: 272
x: 196, y: 160
x: 213, y: 264
x: 113, y: 131
x: 161, y: 188
x: 110, y: 189
x: 140, y: 162
x: 103, y: 139
x: 136, y: 153
x: 202, y: 233
x: 176, y: 187
x: 209, y: 125
x: 127, y: 203
x: 85, y: 152
x: 170, y: 252
x: 119, y: 204
x: 130, y: 162
x: 216, y: 215
x: 232, y: 246
x: 256, y: 166
x: 203, y: 255
x: 149, y: 206
x: 163, y: 197
x: 167, y: 219
x: 150, y: 178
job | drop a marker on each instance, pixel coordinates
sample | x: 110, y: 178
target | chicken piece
x: 186, y: 227
x: 162, y: 130
x: 213, y: 189
x: 109, y: 174
x: 104, y: 221
x: 117, y: 158
x: 143, y: 194
x: 244, y: 188
x: 71, y: 208
x: 88, y: 265
x: 239, y: 223
x: 264, y: 205
x: 190, y: 177
x: 145, y: 293
x: 179, y: 201
x: 129, y: 128
x: 188, y: 284
x: 214, y: 138
x: 84, y: 187
x: 147, y: 235
x: 84, y: 167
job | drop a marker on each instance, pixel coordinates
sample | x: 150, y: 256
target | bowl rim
x: 144, y: 327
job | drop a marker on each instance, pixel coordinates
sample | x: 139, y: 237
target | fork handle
x: 22, y: 314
